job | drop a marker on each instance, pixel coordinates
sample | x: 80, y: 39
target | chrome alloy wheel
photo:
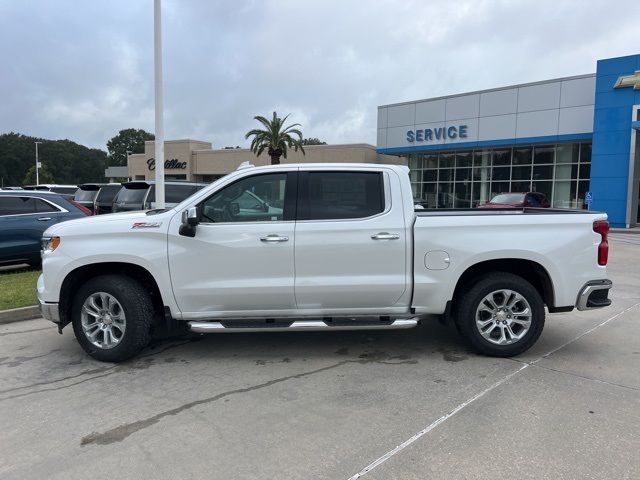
x: 103, y: 321
x: 503, y: 317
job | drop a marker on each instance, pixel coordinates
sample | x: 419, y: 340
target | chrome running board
x: 300, y: 325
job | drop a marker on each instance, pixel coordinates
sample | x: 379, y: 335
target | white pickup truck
x: 319, y: 247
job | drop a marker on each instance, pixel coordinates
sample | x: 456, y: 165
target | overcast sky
x: 83, y: 70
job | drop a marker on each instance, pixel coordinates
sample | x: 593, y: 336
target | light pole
x: 37, y: 165
x: 157, y: 30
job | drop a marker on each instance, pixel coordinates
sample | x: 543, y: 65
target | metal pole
x: 37, y: 165
x: 157, y: 17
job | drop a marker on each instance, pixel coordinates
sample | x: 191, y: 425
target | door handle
x: 273, y: 239
x: 44, y: 219
x: 385, y: 236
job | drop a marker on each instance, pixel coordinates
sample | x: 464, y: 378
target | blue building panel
x: 612, y: 132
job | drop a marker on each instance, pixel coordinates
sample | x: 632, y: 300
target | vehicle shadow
x: 428, y: 338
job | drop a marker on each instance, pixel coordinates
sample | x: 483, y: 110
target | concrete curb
x: 19, y: 314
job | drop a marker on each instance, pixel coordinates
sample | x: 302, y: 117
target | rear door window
x: 17, y: 205
x: 42, y: 206
x: 340, y: 195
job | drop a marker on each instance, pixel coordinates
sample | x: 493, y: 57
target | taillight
x: 602, y: 227
x: 82, y: 208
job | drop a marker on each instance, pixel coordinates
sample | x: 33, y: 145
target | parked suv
x: 517, y: 200
x: 104, y: 200
x: 24, y: 215
x: 141, y: 194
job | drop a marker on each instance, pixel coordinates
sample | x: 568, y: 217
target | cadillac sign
x: 174, y: 163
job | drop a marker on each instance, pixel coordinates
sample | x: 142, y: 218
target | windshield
x: 509, y: 198
x: 131, y: 195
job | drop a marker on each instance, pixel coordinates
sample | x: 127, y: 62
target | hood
x: 117, y: 220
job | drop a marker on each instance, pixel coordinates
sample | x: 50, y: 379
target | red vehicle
x: 517, y: 200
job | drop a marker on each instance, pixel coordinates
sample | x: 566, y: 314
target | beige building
x: 196, y: 160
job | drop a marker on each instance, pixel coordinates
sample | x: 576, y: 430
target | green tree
x: 312, y: 141
x: 276, y: 138
x: 44, y: 175
x: 69, y: 162
x: 129, y: 139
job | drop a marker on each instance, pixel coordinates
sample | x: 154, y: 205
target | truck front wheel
x: 501, y: 315
x: 112, y: 316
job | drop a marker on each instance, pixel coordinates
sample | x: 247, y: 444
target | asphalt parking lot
x: 411, y: 404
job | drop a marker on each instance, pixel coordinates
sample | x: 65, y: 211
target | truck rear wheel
x: 112, y: 317
x: 501, y: 315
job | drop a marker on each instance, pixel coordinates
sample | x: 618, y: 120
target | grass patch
x: 18, y: 289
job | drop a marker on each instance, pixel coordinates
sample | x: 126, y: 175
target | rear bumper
x: 595, y: 294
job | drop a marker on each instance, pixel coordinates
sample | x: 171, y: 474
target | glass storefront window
x: 585, y: 171
x: 561, y: 172
x: 429, y: 175
x: 446, y: 175
x: 567, y: 153
x: 462, y: 195
x: 447, y: 160
x: 543, y: 187
x: 522, y: 156
x: 415, y: 162
x: 499, y: 187
x: 521, y: 173
x: 482, y: 158
x: 544, y: 154
x: 463, y: 174
x: 585, y: 153
x: 501, y: 173
x: 502, y: 157
x: 431, y: 161
x: 463, y: 159
x: 543, y: 172
x: 564, y: 194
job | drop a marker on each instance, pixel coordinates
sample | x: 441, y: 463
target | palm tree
x: 275, y: 138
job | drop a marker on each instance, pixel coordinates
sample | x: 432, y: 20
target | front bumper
x: 50, y: 311
x: 595, y: 294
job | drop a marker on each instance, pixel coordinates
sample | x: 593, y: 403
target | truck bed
x: 443, y: 212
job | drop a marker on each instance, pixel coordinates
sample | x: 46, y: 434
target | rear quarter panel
x: 565, y: 245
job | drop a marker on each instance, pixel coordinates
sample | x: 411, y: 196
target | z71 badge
x: 146, y: 225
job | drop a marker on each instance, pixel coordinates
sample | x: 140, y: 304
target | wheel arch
x: 81, y: 274
x: 529, y: 270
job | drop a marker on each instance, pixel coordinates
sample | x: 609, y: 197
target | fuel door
x: 437, y: 260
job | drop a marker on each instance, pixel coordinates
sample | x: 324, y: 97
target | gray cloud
x: 83, y: 70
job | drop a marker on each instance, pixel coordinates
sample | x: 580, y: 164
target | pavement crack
x: 121, y: 432
x: 584, y: 377
x: 25, y: 331
x: 104, y: 371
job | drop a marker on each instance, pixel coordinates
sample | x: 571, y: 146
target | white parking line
x: 445, y: 417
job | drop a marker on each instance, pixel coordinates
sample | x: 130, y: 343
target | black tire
x: 138, y: 310
x: 469, y: 302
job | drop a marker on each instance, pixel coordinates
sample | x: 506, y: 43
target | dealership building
x: 195, y: 160
x: 575, y: 139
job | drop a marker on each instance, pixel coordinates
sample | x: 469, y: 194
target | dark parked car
x: 24, y: 216
x: 517, y: 200
x: 141, y: 195
x: 104, y: 199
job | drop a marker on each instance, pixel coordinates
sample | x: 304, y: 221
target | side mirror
x: 190, y: 220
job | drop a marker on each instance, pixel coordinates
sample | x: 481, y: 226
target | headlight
x: 49, y: 244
